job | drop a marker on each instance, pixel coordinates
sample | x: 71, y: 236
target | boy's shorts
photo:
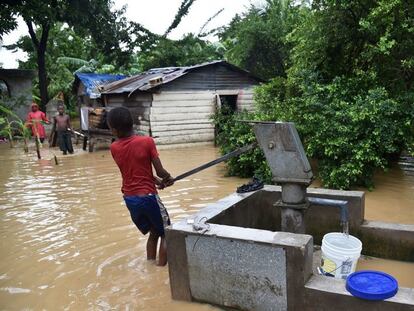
x: 148, y: 212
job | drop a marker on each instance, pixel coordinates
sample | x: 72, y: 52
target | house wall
x: 139, y: 105
x: 83, y: 98
x: 244, y: 97
x: 182, y: 117
x: 176, y: 117
x: 182, y: 109
x: 19, y: 83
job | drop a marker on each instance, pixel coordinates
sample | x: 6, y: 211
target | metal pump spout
x: 343, y: 206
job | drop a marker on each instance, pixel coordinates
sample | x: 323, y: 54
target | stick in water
x: 56, y: 159
x: 37, y: 138
x: 76, y: 132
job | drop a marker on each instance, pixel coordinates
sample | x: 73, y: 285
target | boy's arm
x: 167, y: 180
x: 53, y: 131
x: 69, y: 127
x: 54, y: 124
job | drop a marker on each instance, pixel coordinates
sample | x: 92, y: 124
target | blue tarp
x: 92, y: 81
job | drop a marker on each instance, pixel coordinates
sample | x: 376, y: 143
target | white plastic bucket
x: 340, y: 254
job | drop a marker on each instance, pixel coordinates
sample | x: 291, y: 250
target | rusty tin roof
x: 156, y: 77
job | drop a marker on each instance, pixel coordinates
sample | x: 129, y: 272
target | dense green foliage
x: 257, y: 40
x: 348, y: 86
x: 62, y: 42
x: 232, y: 134
x: 90, y: 19
x: 350, y: 125
x: 189, y: 50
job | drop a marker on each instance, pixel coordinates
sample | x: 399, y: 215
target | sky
x: 155, y: 15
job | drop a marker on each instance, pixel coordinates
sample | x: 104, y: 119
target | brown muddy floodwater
x: 67, y: 242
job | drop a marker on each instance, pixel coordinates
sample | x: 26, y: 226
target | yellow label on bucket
x: 328, y: 265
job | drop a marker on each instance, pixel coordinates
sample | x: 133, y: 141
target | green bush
x: 349, y: 131
x: 347, y: 82
x: 233, y: 133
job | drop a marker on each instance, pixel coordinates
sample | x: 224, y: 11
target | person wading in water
x: 135, y: 157
x: 34, y: 119
x: 62, y: 127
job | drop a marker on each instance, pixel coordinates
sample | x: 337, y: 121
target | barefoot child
x: 135, y: 157
x: 62, y: 126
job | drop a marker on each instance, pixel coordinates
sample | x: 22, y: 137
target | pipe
x: 343, y: 205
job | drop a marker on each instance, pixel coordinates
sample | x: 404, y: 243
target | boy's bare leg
x: 162, y: 253
x: 152, y: 245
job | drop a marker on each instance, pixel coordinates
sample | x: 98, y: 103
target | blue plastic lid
x: 371, y: 285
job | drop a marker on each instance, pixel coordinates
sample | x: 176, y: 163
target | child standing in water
x: 62, y: 127
x: 135, y: 157
x: 34, y: 119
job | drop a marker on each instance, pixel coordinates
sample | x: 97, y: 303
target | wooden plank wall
x: 182, y: 117
x: 245, y: 99
x: 139, y: 105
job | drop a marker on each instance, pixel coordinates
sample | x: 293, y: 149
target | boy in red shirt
x: 135, y: 157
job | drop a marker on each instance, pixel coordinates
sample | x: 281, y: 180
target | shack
x: 175, y: 104
x: 86, y: 87
x: 16, y: 89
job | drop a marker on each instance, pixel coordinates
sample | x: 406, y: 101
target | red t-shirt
x: 133, y: 156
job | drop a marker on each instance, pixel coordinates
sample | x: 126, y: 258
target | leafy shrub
x: 350, y: 131
x: 233, y: 133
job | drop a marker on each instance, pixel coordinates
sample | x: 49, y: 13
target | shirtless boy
x: 62, y: 127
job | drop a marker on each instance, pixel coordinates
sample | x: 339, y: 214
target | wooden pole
x: 227, y: 156
x: 26, y: 147
x: 37, y: 138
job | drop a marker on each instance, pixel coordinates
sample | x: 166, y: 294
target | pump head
x: 284, y: 152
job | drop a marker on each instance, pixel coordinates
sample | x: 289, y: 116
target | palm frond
x: 72, y: 61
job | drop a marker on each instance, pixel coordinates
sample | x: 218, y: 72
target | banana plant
x: 20, y: 127
x: 10, y: 124
x: 81, y: 64
x: 6, y: 130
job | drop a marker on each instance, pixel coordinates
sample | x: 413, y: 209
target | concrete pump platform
x: 233, y: 254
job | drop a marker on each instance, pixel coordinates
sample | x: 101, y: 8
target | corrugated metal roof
x: 93, y: 81
x: 158, y: 76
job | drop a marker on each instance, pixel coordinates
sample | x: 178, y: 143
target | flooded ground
x: 67, y: 241
x: 393, y: 197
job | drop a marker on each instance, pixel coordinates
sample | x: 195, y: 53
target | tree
x: 109, y: 29
x: 189, y: 50
x: 182, y: 11
x: 256, y: 40
x: 62, y: 42
x: 370, y: 36
x: 348, y: 87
